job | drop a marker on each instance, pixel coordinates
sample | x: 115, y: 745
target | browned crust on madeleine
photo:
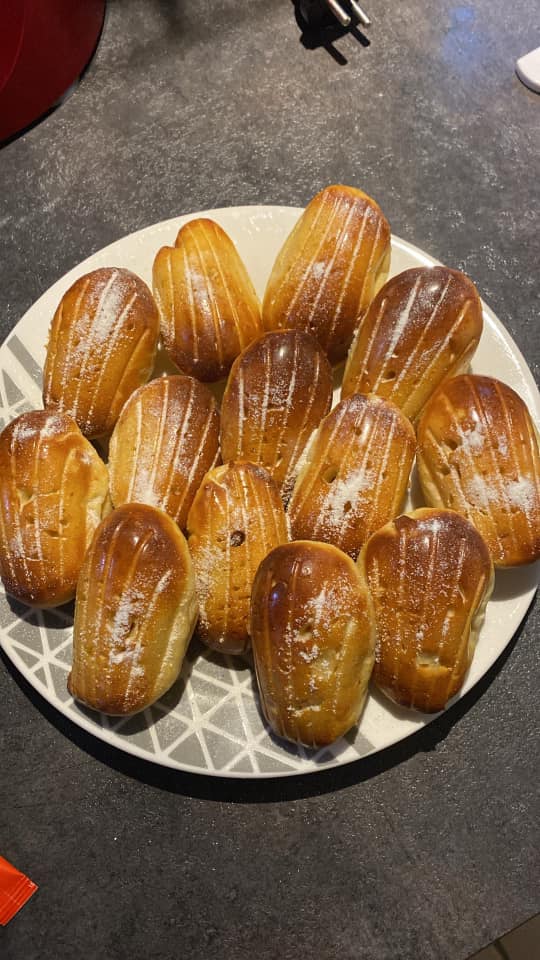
x: 478, y: 453
x: 53, y: 494
x: 422, y: 328
x: 278, y: 391
x: 355, y: 473
x: 430, y: 576
x: 326, y: 271
x: 164, y: 442
x: 102, y: 346
x: 237, y: 517
x: 208, y: 307
x: 135, y: 611
x: 313, y: 641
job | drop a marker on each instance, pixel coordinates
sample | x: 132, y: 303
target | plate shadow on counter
x: 272, y: 789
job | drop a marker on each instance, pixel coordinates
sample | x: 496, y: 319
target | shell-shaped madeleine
x: 102, y: 346
x: 236, y: 519
x: 355, y: 473
x: 207, y: 303
x: 422, y: 327
x: 135, y: 611
x: 326, y: 273
x: 313, y: 641
x: 54, y: 491
x: 478, y: 453
x: 278, y: 391
x: 430, y: 576
x: 164, y: 442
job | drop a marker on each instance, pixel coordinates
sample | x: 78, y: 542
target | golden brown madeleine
x: 135, y: 611
x: 355, y: 473
x: 313, y: 638
x: 278, y: 391
x: 430, y: 576
x: 102, y: 346
x: 207, y: 303
x: 54, y: 491
x: 422, y: 327
x: 237, y: 517
x: 326, y: 272
x: 478, y: 454
x: 164, y: 442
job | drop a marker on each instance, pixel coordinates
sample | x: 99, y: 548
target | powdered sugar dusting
x: 54, y: 425
x: 205, y: 560
x: 473, y: 439
x: 342, y: 497
x: 326, y: 603
x: 122, y: 622
x: 130, y: 610
x: 295, y: 467
x: 432, y: 525
x: 309, y: 655
x: 110, y: 306
x: 401, y: 324
x: 523, y: 494
x: 142, y: 487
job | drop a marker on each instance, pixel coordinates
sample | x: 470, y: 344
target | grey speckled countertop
x: 428, y: 850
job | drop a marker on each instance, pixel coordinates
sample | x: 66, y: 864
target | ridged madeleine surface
x: 135, y: 611
x: 207, y: 303
x: 478, y: 454
x: 165, y: 441
x: 422, y: 327
x: 313, y: 641
x: 355, y: 473
x: 430, y: 576
x: 54, y: 491
x: 236, y: 519
x: 326, y: 273
x: 102, y: 346
x: 278, y: 391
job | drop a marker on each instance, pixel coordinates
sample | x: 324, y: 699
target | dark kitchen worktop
x: 428, y: 850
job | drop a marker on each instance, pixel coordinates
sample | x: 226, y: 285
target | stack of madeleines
x: 273, y: 521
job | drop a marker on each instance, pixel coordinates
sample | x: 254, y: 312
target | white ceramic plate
x: 210, y: 722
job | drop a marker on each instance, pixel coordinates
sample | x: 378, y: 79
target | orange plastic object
x: 15, y: 890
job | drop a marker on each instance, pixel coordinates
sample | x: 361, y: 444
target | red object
x: 15, y: 890
x: 44, y: 47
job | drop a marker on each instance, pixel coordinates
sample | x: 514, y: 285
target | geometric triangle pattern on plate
x: 13, y: 394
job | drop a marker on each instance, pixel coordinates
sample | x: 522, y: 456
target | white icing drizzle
x: 400, y: 326
x: 331, y: 261
x: 194, y: 345
x: 286, y: 275
x: 208, y: 306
